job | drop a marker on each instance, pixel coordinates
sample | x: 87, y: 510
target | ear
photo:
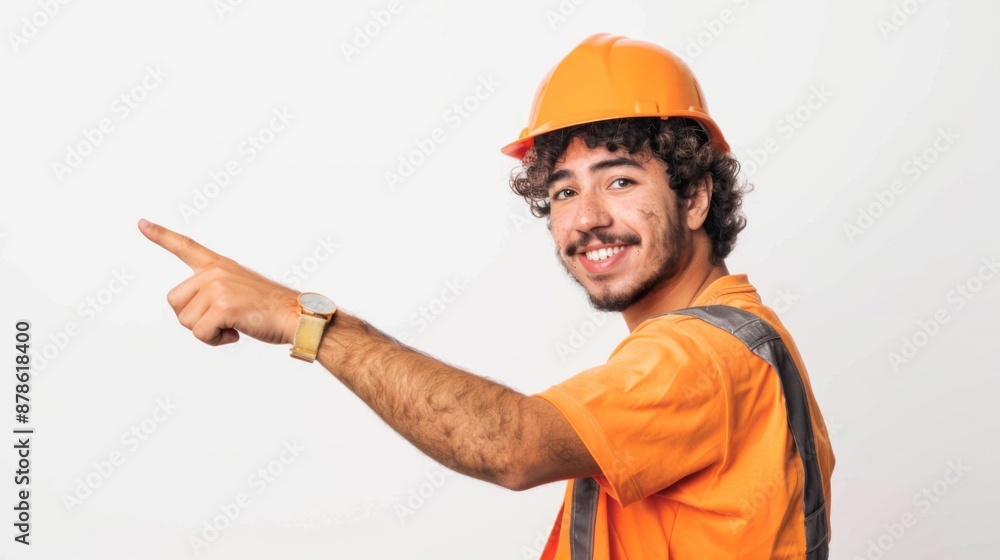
x: 699, y: 203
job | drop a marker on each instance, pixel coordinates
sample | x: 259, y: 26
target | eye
x: 622, y: 182
x: 557, y: 194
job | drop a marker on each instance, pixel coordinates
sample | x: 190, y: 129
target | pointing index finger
x: 186, y: 249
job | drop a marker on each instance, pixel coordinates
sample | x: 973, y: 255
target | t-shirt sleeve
x: 652, y: 415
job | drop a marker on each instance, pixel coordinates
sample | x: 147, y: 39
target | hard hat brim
x: 519, y: 147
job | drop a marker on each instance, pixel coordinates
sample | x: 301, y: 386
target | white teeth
x: 604, y: 253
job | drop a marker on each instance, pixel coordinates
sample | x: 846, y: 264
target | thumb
x: 227, y: 336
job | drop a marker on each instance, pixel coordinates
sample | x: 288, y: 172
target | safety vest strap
x: 582, y: 519
x: 766, y: 343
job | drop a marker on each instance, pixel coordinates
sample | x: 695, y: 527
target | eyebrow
x: 595, y: 167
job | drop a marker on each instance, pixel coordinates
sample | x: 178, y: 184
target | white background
x: 896, y: 75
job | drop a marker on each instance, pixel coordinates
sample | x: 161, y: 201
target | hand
x: 223, y: 298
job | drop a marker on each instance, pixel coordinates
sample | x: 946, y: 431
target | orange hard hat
x: 612, y: 77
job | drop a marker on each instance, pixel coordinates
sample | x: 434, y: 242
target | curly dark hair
x: 680, y: 143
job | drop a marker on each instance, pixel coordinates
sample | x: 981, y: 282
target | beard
x: 675, y: 251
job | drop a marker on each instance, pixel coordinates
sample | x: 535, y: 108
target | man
x: 691, y: 441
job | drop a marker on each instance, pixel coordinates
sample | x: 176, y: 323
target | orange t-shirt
x: 690, y: 430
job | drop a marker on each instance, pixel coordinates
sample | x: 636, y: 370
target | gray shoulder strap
x: 765, y: 342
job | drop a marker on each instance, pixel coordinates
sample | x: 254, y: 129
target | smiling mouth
x: 603, y: 254
x: 603, y: 261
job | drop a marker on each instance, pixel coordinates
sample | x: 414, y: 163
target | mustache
x: 604, y: 237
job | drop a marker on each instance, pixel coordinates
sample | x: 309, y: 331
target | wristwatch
x: 315, y: 312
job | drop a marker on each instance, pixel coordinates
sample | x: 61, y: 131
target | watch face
x: 317, y: 303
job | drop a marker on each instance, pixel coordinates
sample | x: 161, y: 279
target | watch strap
x: 308, y: 336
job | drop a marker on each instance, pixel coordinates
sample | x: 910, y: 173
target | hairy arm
x: 468, y: 423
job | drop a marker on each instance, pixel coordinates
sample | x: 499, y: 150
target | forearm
x: 468, y: 423
x: 465, y: 422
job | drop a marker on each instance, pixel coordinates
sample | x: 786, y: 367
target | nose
x: 590, y: 212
